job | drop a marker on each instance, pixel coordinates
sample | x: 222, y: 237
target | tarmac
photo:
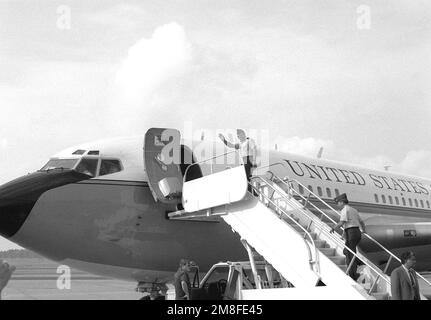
x: 37, y: 279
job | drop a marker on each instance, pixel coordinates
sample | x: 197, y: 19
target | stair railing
x: 392, y: 256
x: 338, y: 241
x: 313, y: 261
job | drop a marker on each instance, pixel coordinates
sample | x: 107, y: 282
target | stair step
x: 339, y: 260
x: 330, y: 252
x: 380, y: 295
x: 298, y: 228
x: 288, y: 220
x: 343, y: 267
x: 320, y: 216
x: 325, y: 219
x: 313, y: 235
x: 331, y: 224
x: 321, y: 244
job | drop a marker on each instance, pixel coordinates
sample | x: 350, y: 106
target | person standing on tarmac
x: 247, y: 149
x: 404, y: 282
x: 351, y: 222
x: 5, y: 274
x: 182, y: 281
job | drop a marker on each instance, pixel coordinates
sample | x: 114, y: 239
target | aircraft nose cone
x: 18, y: 197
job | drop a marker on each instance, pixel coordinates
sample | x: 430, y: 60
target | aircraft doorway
x: 166, y: 161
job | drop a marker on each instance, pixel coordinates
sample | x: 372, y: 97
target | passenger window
x: 337, y: 193
x: 397, y: 201
x: 301, y: 189
x: 404, y: 201
x: 428, y: 204
x: 416, y: 203
x: 328, y: 192
x: 390, y: 199
x: 410, y: 202
x: 109, y: 167
x: 88, y: 166
x: 319, y: 191
x: 310, y: 188
x: 376, y: 198
x: 422, y: 204
x: 383, y: 199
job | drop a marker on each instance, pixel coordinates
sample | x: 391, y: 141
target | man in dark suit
x: 404, y: 283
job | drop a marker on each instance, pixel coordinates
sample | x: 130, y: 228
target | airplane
x: 102, y: 207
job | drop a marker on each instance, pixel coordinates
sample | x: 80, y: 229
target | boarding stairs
x: 275, y: 225
x: 325, y: 214
x: 372, y: 283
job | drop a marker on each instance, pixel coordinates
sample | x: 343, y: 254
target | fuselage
x: 110, y: 224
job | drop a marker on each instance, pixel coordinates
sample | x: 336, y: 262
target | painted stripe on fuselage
x: 116, y: 182
x: 363, y: 207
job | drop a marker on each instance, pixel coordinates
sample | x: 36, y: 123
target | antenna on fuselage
x: 387, y: 168
x: 319, y: 154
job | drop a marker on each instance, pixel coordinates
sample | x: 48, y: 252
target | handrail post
x: 350, y: 265
x: 374, y: 284
x: 309, y: 225
x: 288, y: 190
x: 252, y: 263
x: 313, y: 262
x: 308, y: 200
x: 387, y: 265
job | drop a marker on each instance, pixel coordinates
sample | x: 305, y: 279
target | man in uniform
x: 351, y: 222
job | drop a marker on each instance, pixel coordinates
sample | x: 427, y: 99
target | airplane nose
x: 18, y: 197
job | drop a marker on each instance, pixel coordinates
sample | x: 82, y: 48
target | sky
x: 351, y: 76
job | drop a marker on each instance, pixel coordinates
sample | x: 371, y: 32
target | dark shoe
x: 356, y: 276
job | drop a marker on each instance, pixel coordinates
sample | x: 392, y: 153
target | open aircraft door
x: 162, y: 158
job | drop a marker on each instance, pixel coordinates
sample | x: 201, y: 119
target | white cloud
x: 121, y: 16
x: 415, y: 162
x: 4, y: 143
x: 305, y: 146
x: 152, y: 61
x: 378, y: 162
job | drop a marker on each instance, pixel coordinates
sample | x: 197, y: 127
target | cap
x: 341, y: 197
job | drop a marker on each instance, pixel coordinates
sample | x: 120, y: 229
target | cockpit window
x: 79, y: 152
x: 88, y: 166
x: 59, y: 164
x: 109, y: 167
